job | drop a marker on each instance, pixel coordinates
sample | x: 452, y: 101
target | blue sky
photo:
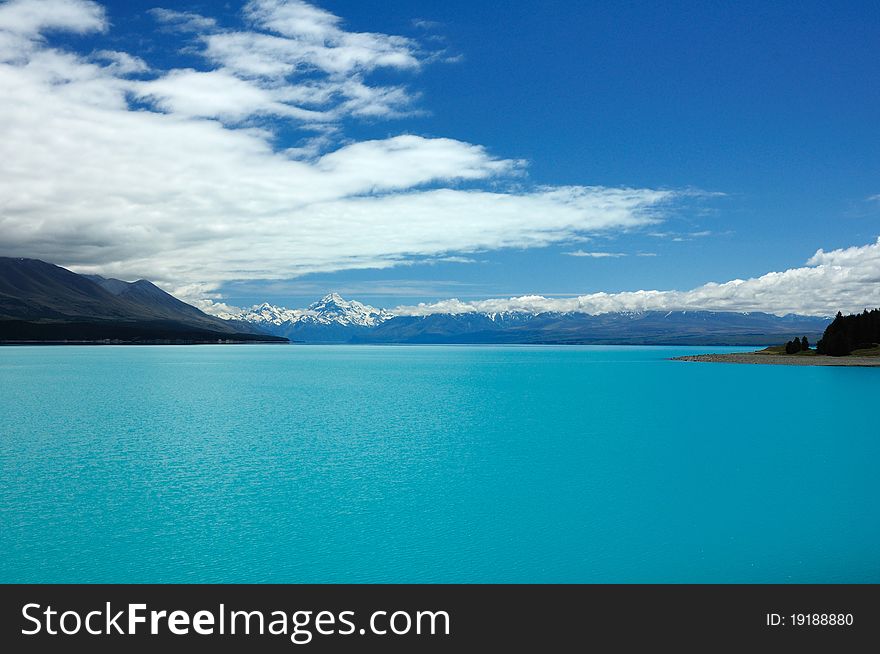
x: 735, y: 140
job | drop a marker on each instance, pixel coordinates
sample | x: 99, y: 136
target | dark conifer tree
x: 848, y: 333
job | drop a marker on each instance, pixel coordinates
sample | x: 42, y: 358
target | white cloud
x: 30, y: 17
x: 846, y: 279
x: 680, y: 238
x: 191, y: 192
x: 595, y: 255
x: 122, y: 62
x: 217, y: 94
x: 864, y: 258
x: 424, y: 24
x: 184, y: 21
x: 316, y: 38
x: 452, y: 259
x: 297, y: 62
x: 405, y: 161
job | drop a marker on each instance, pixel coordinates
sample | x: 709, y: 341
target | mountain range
x: 329, y: 320
x: 336, y: 320
x: 43, y: 302
x: 46, y: 303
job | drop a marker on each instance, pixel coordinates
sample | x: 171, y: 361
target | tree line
x: 848, y: 333
x: 797, y: 345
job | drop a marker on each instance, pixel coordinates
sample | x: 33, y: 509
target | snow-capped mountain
x: 333, y: 319
x: 330, y: 319
x: 330, y: 309
x: 334, y: 309
x: 264, y: 313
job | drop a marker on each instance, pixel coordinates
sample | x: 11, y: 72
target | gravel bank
x: 783, y: 360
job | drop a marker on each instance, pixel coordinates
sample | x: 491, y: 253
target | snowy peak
x: 332, y: 299
x: 267, y: 313
x: 333, y: 308
x: 333, y: 303
x: 329, y: 310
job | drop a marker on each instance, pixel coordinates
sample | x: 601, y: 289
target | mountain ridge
x: 42, y: 302
x: 336, y: 320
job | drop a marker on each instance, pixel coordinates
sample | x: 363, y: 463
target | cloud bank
x: 846, y: 279
x: 108, y: 165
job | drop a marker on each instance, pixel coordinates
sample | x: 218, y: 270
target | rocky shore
x: 784, y: 359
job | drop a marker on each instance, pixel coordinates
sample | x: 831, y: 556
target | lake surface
x: 433, y: 464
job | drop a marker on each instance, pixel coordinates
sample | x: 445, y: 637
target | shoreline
x: 61, y: 343
x: 757, y: 358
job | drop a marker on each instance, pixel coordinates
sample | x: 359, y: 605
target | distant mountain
x: 631, y: 328
x: 329, y: 320
x: 335, y: 320
x: 43, y: 302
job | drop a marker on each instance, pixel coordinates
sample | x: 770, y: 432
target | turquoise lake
x: 433, y: 464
